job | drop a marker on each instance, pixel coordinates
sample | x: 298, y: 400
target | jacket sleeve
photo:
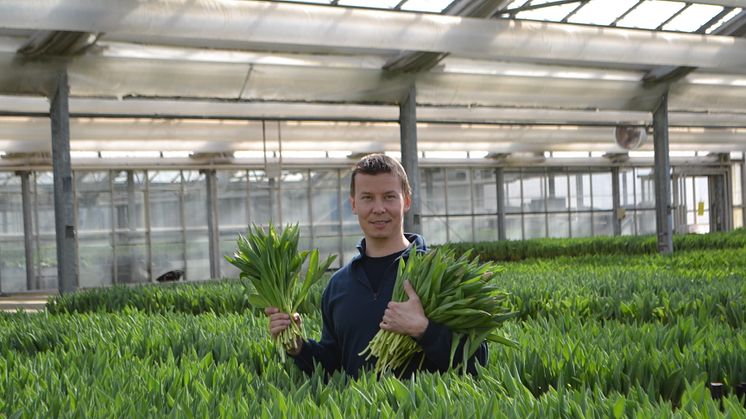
x: 326, y: 351
x: 436, y: 344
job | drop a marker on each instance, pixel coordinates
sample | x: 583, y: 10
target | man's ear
x: 352, y: 204
x: 407, y: 202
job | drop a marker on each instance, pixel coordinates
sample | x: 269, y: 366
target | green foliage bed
x: 602, y: 335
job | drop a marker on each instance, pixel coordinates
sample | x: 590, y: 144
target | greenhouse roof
x: 491, y: 76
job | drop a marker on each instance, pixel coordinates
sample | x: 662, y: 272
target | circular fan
x: 630, y: 137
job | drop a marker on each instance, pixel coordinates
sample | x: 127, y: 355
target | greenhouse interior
x: 181, y: 123
x: 179, y: 238
x: 178, y: 124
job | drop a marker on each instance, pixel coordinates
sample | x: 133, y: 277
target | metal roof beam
x: 248, y: 22
x: 667, y: 74
x: 414, y: 61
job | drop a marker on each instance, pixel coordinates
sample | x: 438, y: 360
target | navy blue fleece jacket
x: 351, y: 312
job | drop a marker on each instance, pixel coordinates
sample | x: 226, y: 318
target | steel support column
x: 408, y: 130
x: 212, y: 223
x: 67, y: 251
x: 28, y: 231
x: 743, y: 192
x: 615, y: 198
x: 663, y: 214
x: 500, y: 185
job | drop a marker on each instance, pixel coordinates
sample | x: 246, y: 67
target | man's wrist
x: 421, y: 332
x: 297, y: 350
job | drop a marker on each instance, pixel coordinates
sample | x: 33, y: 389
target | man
x: 357, y: 300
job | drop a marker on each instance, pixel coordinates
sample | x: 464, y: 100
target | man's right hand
x: 279, y: 321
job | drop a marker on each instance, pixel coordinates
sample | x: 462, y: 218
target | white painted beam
x: 272, y: 23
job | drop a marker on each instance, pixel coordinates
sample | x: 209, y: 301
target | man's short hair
x: 374, y: 164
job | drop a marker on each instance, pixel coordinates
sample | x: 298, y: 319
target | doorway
x: 701, y: 200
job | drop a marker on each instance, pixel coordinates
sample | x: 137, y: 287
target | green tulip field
x: 605, y: 334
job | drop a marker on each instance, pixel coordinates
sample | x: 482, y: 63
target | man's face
x: 380, y: 204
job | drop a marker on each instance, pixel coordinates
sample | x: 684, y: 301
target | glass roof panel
x: 601, y: 12
x: 378, y: 4
x: 693, y: 18
x: 311, y: 1
x: 516, y: 3
x: 667, y: 15
x: 650, y: 14
x: 726, y: 18
x: 549, y: 13
x: 435, y: 6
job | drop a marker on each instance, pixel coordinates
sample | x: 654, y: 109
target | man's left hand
x: 406, y: 318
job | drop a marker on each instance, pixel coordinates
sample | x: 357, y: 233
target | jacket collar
x: 415, y: 241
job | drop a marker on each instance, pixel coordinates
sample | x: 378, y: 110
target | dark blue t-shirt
x: 376, y: 269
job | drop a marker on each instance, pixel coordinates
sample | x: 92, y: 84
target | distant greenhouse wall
x: 134, y: 225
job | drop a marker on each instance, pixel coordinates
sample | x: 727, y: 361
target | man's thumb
x: 410, y: 291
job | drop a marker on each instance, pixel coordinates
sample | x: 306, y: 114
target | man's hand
x: 406, y: 318
x: 279, y: 321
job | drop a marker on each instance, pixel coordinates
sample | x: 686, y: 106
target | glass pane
x: 580, y: 191
x: 45, y: 229
x: 349, y: 247
x: 460, y: 229
x: 626, y: 188
x: 232, y: 196
x: 262, y: 198
x: 195, y: 213
x: 581, y: 224
x: 559, y: 225
x: 350, y: 225
x: 513, y: 229
x: 512, y: 191
x: 650, y: 14
x: 644, y: 188
x: 324, y: 184
x: 628, y: 223
x: 533, y: 192
x: 602, y: 196
x: 645, y: 222
x: 693, y: 18
x: 434, y: 230
x: 703, y: 198
x: 432, y: 192
x: 295, y: 199
x: 167, y: 237
x: 94, y: 229
x: 603, y: 223
x: 534, y: 226
x: 557, y: 193
x: 485, y: 192
x: 131, y: 251
x: 12, y: 246
x: 329, y: 245
x: 485, y: 228
x: 737, y: 187
x: 459, y: 192
x: 601, y: 12
x: 738, y: 217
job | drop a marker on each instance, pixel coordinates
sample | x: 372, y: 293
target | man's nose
x: 378, y: 206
